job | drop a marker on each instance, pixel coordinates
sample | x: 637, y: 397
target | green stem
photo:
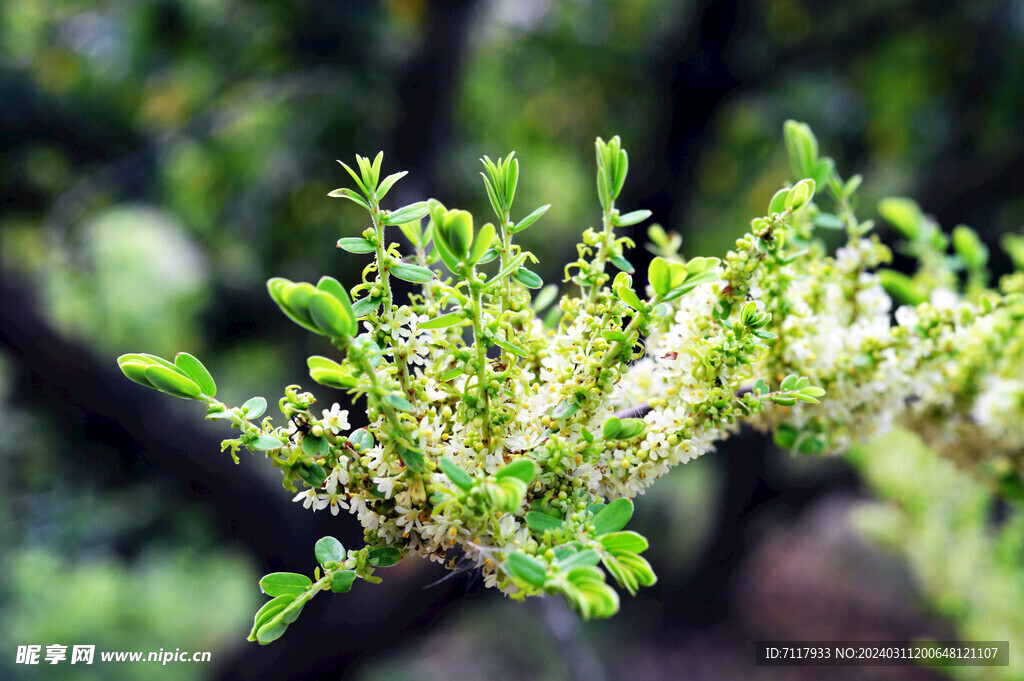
x: 601, y: 257
x: 481, y: 357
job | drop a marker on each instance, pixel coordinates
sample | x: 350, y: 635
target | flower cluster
x: 512, y: 430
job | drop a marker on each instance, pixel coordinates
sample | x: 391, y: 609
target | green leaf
x: 413, y: 273
x: 413, y: 459
x: 490, y: 255
x: 528, y: 278
x: 254, y: 408
x: 313, y: 474
x: 330, y: 315
x: 660, y: 276
x: 828, y: 221
x: 346, y: 193
x: 511, y: 347
x: 399, y: 403
x: 587, y: 557
x: 546, y: 296
x: 413, y: 231
x: 444, y: 321
x: 384, y: 556
x: 565, y: 409
x: 315, y: 446
x: 802, y: 146
x: 628, y: 296
x: 542, y: 522
x: 135, y: 371
x: 522, y: 468
x: 457, y: 230
x: 365, y: 306
x: 530, y: 219
x: 481, y: 242
x: 285, y: 584
x: 388, y: 183
x: 612, y: 428
x: 172, y: 382
x: 904, y: 214
x: 264, y: 442
x: 800, y: 195
x: 342, y: 581
x: 329, y: 550
x: 444, y: 250
x: 778, y: 202
x: 461, y: 478
x: 627, y: 541
x: 969, y: 247
x: 356, y: 244
x: 633, y: 218
x: 613, y: 517
x: 269, y: 610
x: 195, y: 370
x: 413, y: 211
x: 631, y: 428
x: 271, y: 632
x: 361, y: 438
x: 288, y: 294
x: 523, y: 567
x: 622, y: 264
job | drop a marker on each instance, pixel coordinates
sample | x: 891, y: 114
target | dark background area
x: 159, y: 160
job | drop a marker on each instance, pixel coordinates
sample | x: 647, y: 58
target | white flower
x: 333, y: 499
x: 310, y: 499
x: 336, y: 419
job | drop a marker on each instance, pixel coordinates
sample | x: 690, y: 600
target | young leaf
x: 632, y: 218
x: 778, y: 202
x: 172, y: 383
x: 315, y: 446
x: 523, y: 469
x: 530, y: 219
x: 613, y: 517
x: 399, y: 403
x: 342, y: 581
x: 285, y: 584
x: 461, y: 478
x: 413, y: 211
x: 329, y: 550
x: 481, y: 242
x: 413, y: 459
x: 660, y: 276
x: 521, y: 566
x: 528, y: 278
x: 346, y: 193
x: 541, y: 522
x: 365, y: 306
x: 362, y: 439
x: 330, y: 315
x: 388, y: 183
x: 356, y: 244
x: 444, y: 321
x: 384, y: 556
x: 565, y: 409
x: 624, y: 541
x: 412, y: 273
x: 195, y: 370
x: 254, y: 408
x: 622, y: 264
x: 264, y: 442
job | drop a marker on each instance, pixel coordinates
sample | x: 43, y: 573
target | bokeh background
x: 160, y: 159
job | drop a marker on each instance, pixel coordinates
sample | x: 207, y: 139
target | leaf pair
x: 670, y: 280
x: 186, y: 378
x: 457, y: 244
x: 325, y: 309
x: 612, y: 166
